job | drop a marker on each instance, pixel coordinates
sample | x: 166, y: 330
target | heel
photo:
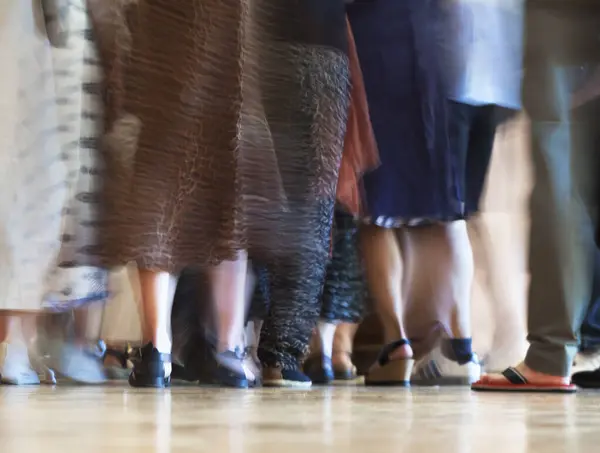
x: 150, y: 370
x: 318, y: 368
x: 149, y: 381
x: 394, y: 373
x: 388, y: 372
x: 230, y: 371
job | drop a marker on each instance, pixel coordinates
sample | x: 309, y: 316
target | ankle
x: 459, y: 350
x: 342, y: 360
x: 162, y: 346
x: 536, y: 376
x: 401, y: 352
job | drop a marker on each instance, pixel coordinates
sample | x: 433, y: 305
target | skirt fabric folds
x: 224, y: 128
x: 78, y: 76
x: 400, y: 44
x: 343, y: 295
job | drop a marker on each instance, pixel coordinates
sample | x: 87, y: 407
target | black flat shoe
x: 149, y: 371
x: 229, y: 371
x: 587, y: 379
x: 319, y: 369
x: 276, y: 377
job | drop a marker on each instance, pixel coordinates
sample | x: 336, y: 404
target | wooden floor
x: 340, y: 419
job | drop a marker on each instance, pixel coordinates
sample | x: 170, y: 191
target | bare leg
x: 19, y: 363
x: 228, y: 283
x: 460, y: 279
x: 383, y: 265
x: 20, y: 327
x: 317, y: 366
x: 158, y: 289
x: 439, y: 278
x: 343, y: 345
x: 384, y: 276
x: 229, y: 290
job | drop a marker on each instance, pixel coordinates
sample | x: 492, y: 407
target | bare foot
x: 341, y: 360
x: 532, y: 377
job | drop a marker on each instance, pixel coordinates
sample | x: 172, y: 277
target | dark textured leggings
x: 344, y: 293
x: 290, y: 294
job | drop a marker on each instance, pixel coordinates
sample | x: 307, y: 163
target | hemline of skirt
x: 399, y: 222
x: 58, y: 306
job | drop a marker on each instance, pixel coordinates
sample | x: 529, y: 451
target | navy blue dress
x: 399, y: 44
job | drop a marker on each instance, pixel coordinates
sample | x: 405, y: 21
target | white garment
x: 45, y: 165
x: 77, y: 75
x: 32, y: 175
x: 484, y: 41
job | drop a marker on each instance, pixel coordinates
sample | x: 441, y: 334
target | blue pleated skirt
x: 399, y: 45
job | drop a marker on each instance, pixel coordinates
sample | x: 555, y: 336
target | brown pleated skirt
x: 223, y: 117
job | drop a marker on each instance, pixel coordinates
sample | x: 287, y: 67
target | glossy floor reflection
x: 341, y: 419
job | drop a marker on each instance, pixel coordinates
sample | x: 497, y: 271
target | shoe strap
x: 342, y: 351
x: 165, y: 357
x: 384, y: 355
x: 514, y: 376
x: 235, y: 354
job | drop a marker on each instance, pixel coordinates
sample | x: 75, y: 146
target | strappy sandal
x: 345, y: 374
x: 117, y: 362
x: 516, y: 382
x: 319, y: 369
x: 396, y: 372
x: 252, y: 366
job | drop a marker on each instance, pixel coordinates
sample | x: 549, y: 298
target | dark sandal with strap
x: 122, y: 356
x: 344, y: 373
x: 118, y: 368
x: 395, y: 372
x: 516, y: 382
x: 318, y: 368
x: 150, y: 370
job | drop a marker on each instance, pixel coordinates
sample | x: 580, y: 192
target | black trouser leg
x: 296, y: 278
x: 344, y: 291
x: 564, y: 201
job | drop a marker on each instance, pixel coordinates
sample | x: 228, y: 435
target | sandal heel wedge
x: 395, y: 373
x: 391, y: 372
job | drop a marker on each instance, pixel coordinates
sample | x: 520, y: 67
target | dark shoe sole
x: 149, y: 382
x: 227, y: 378
x: 345, y: 375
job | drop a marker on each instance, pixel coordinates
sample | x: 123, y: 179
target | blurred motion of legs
x: 564, y: 202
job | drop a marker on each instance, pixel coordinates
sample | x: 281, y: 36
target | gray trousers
x: 565, y: 146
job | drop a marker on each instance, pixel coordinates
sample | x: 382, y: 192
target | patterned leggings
x: 289, y: 296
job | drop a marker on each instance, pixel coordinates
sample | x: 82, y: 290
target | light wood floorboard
x: 340, y: 419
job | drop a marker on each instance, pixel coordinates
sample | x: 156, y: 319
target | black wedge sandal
x: 389, y: 372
